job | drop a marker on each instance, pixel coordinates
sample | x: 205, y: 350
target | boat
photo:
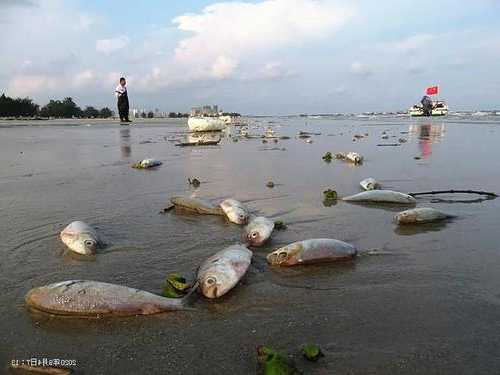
x: 205, y: 124
x: 439, y: 108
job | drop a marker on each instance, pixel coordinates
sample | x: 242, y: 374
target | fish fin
x: 189, y: 298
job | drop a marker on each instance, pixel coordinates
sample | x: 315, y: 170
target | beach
x: 429, y: 303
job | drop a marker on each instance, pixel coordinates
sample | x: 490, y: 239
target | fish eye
x: 211, y: 280
x: 282, y: 256
x: 254, y: 234
x: 89, y: 243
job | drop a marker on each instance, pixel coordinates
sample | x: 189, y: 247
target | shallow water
x: 430, y: 306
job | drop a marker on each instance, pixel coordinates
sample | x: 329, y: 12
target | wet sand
x: 431, y: 306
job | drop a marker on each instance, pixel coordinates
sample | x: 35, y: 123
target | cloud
x: 111, y: 45
x: 361, y: 69
x: 84, y: 22
x: 225, y: 33
x: 414, y: 42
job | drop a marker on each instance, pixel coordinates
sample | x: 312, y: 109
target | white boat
x: 439, y: 108
x: 205, y: 124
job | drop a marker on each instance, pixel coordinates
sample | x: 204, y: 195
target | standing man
x: 121, y: 94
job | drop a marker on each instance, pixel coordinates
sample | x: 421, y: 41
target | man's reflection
x: 125, y: 145
x: 427, y: 134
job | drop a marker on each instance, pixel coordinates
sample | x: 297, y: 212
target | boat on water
x: 428, y: 106
x: 439, y: 108
x: 205, y: 124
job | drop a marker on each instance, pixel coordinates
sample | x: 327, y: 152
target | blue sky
x: 258, y: 57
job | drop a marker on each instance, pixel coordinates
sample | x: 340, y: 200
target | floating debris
x: 417, y: 157
x: 330, y: 194
x: 402, y: 140
x: 389, y: 144
x: 327, y: 157
x: 146, y: 164
x: 312, y: 352
x: 353, y: 157
x: 194, y: 181
x: 369, y: 184
x: 175, y: 286
x: 309, y: 141
x: 270, y: 184
x: 280, y: 225
x: 284, y: 137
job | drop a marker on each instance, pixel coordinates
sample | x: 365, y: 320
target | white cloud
x: 361, y: 69
x: 223, y: 67
x: 415, y: 42
x: 84, y: 78
x: 84, y: 22
x: 225, y: 33
x: 112, y: 45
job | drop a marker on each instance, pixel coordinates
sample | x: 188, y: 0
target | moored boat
x: 439, y: 108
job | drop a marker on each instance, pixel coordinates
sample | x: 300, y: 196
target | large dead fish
x: 223, y: 270
x: 197, y: 205
x: 94, y: 298
x: 316, y: 250
x: 369, y: 184
x: 420, y: 215
x: 258, y: 230
x: 235, y: 211
x: 381, y: 196
x: 80, y: 238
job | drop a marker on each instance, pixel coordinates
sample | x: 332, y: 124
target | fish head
x: 406, y: 217
x: 257, y: 232
x: 237, y: 215
x: 215, y: 284
x: 285, y: 256
x: 84, y: 243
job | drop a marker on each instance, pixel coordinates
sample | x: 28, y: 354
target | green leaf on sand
x: 312, y: 352
x: 274, y: 363
x: 280, y: 225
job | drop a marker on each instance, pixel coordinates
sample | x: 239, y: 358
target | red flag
x: 433, y: 90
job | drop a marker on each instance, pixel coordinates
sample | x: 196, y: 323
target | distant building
x: 205, y: 110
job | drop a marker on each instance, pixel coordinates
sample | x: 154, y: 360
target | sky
x: 253, y: 57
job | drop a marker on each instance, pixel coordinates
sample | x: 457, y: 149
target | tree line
x: 66, y: 108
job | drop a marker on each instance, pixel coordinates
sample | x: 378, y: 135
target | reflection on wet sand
x: 125, y: 145
x: 427, y: 134
x: 409, y: 230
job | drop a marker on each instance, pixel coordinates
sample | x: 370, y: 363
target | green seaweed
x: 330, y: 194
x: 274, y: 363
x: 312, y: 352
x: 280, y: 225
x: 328, y: 157
x: 137, y: 165
x: 175, y: 286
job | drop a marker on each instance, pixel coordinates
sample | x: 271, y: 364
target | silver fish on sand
x: 381, y: 196
x: 235, y: 211
x: 420, y: 215
x: 369, y: 184
x: 149, y: 163
x: 94, y: 298
x: 258, y: 230
x: 312, y: 251
x: 197, y: 205
x: 80, y: 238
x: 223, y: 270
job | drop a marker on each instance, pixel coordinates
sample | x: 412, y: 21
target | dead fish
x: 316, y: 250
x: 147, y: 163
x: 42, y: 370
x: 196, y: 205
x: 95, y: 298
x: 258, y: 230
x: 381, y: 196
x: 369, y: 184
x: 235, y: 211
x: 223, y: 270
x: 80, y: 238
x: 353, y: 157
x: 420, y: 215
